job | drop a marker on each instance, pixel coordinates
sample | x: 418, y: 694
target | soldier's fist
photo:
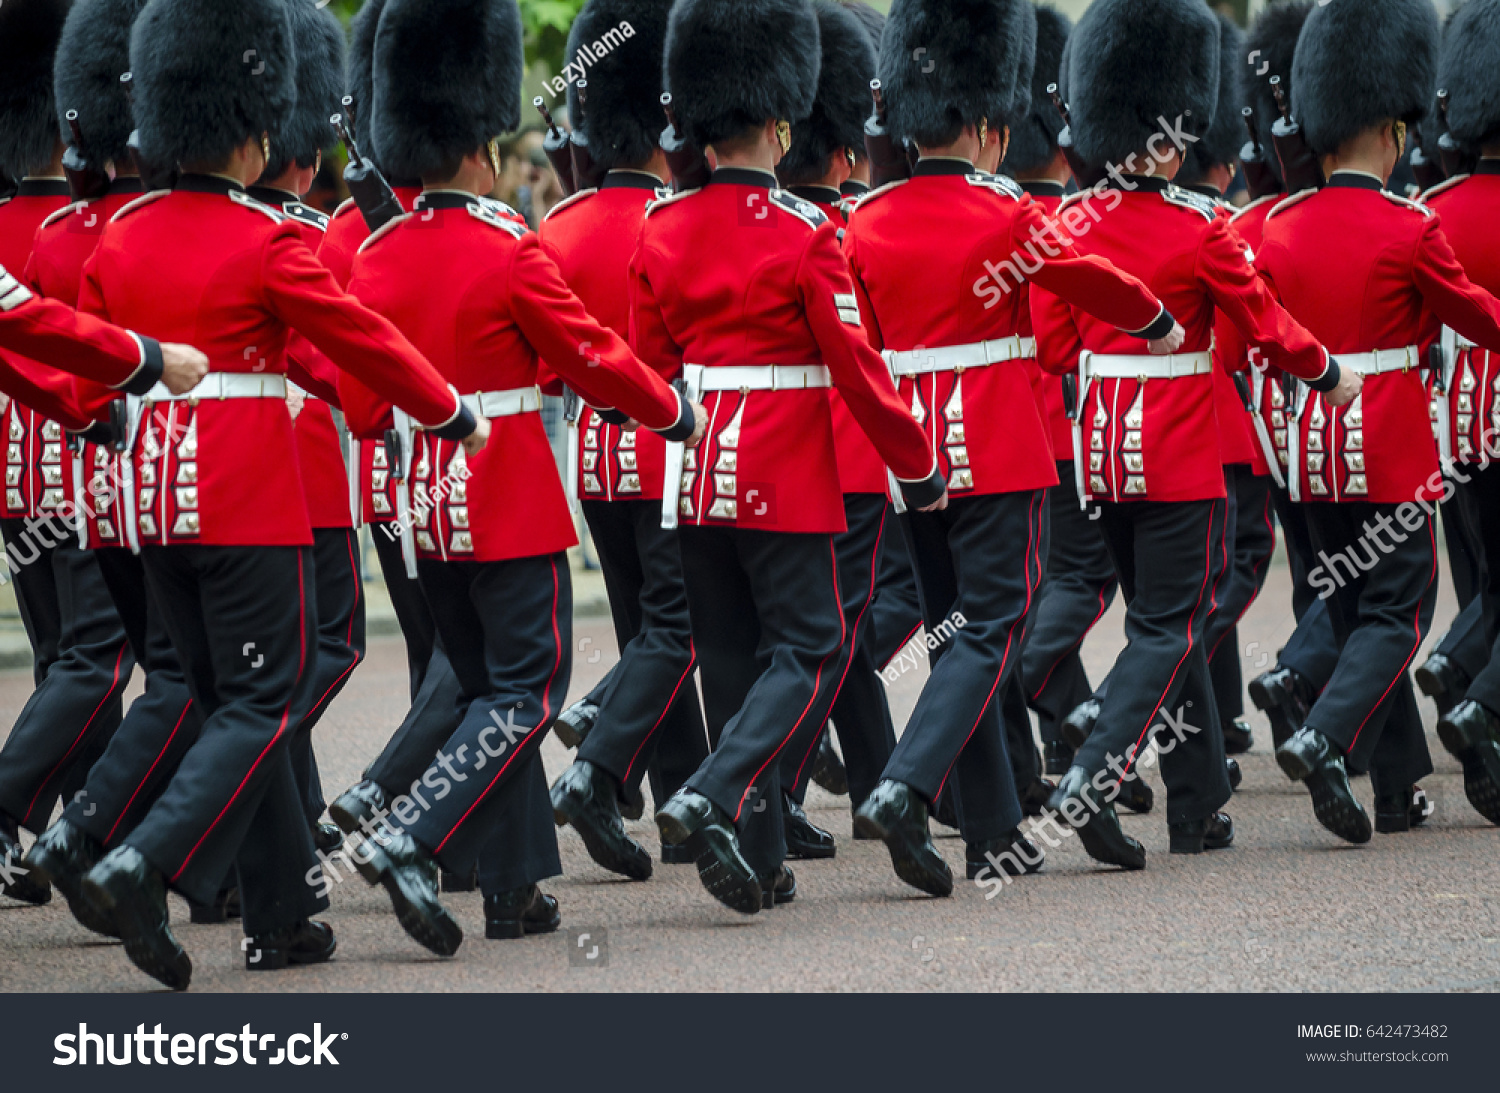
x: 937, y: 506
x: 1171, y: 343
x: 474, y: 443
x: 1350, y: 385
x: 295, y: 400
x: 700, y: 425
x: 183, y: 367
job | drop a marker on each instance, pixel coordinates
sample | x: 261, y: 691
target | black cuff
x: 100, y: 432
x: 1160, y: 328
x: 685, y: 425
x: 610, y: 416
x: 149, y: 373
x: 1329, y: 379
x: 459, y: 428
x: 918, y: 495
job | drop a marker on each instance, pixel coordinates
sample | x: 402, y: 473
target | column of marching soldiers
x: 974, y: 361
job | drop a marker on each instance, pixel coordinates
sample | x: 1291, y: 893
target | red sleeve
x: 1087, y: 281
x: 43, y: 389
x: 1448, y: 292
x: 649, y: 336
x: 304, y: 295
x: 586, y: 354
x: 862, y: 294
x: 1058, y: 342
x: 52, y: 332
x: 1247, y: 302
x: 858, y: 371
x: 312, y: 371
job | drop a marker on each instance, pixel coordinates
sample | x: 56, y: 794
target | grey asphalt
x: 1288, y: 908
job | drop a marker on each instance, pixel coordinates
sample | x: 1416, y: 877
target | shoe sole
x: 1131, y: 856
x: 1074, y: 735
x: 835, y: 779
x: 810, y: 853
x: 569, y: 735
x: 1273, y: 706
x: 1432, y: 685
x: 735, y: 889
x: 438, y: 933
x: 173, y: 970
x: 1481, y: 763
x: 275, y: 960
x: 1343, y: 816
x: 510, y: 930
x: 908, y: 866
x: 348, y: 822
x: 634, y: 863
x: 1293, y: 764
x: 71, y: 887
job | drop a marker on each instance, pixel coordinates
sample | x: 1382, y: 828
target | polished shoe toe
x: 586, y: 797
x: 63, y: 855
x: 1443, y: 681
x: 1471, y: 733
x: 1213, y: 832
x: 896, y: 814
x: 1012, y: 854
x: 302, y: 943
x: 1238, y: 737
x: 1234, y: 773
x: 1097, y: 823
x: 129, y: 892
x: 327, y: 837
x: 805, y: 840
x: 778, y: 888
x: 519, y: 912
x: 828, y: 769
x: 1034, y: 796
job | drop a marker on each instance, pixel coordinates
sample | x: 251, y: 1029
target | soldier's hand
x: 474, y: 443
x: 183, y: 367
x: 937, y: 506
x: 630, y: 426
x: 295, y: 400
x: 1350, y: 385
x: 1171, y: 343
x: 700, y: 425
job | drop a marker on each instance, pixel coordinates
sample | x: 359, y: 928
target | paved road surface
x: 1288, y: 908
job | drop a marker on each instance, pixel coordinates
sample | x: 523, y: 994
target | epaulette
x: 307, y: 214
x: 569, y: 201
x: 349, y: 203
x: 847, y: 203
x: 1414, y: 206
x: 383, y: 231
x: 139, y: 203
x: 1444, y: 187
x: 1259, y: 201
x: 868, y: 196
x: 500, y: 209
x: 663, y: 202
x: 804, y: 211
x: 492, y: 217
x: 62, y: 213
x: 1000, y: 184
x: 1187, y: 199
x: 240, y: 197
x: 1288, y: 202
x: 1075, y: 197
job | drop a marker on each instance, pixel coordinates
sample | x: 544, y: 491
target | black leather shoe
x: 1136, y: 795
x: 1098, y: 825
x: 828, y: 769
x: 632, y: 803
x: 452, y: 882
x: 778, y: 888
x: 1471, y: 733
x: 805, y: 840
x: 1012, y: 854
x: 519, y: 912
x: 897, y: 815
x: 307, y: 942
x: 1422, y: 806
x: 1057, y: 757
x: 1235, y: 774
x: 224, y: 907
x: 409, y: 875
x: 585, y: 797
x: 327, y: 837
x: 126, y: 890
x: 1035, y: 795
x: 1393, y: 811
x: 1238, y: 739
x: 364, y: 800
x: 63, y: 854
x: 1442, y: 681
x: 676, y: 855
x: 691, y: 819
x: 1078, y: 726
x: 1195, y: 836
x: 1285, y: 698
x: 575, y: 722
x: 16, y: 880
x: 1310, y: 757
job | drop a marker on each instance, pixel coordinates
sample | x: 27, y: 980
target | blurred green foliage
x: 546, y: 23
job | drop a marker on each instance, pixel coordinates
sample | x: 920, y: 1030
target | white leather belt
x: 1382, y: 360
x: 223, y: 385
x: 1147, y: 366
x: 518, y: 400
x: 955, y: 358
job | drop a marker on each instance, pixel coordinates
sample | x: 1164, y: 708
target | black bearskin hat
x: 92, y: 56
x: 843, y: 99
x: 872, y: 20
x: 1226, y: 135
x: 1033, y: 139
x: 617, y: 45
x: 29, y: 33
x: 1469, y: 70
x: 361, y: 68
x: 1269, y: 49
x: 319, y: 42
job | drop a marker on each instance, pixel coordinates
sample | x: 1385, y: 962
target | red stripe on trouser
x: 1417, y: 629
x: 280, y: 728
x: 77, y: 740
x: 915, y: 630
x: 851, y: 636
x: 817, y: 681
x: 1208, y: 546
x: 692, y: 660
x: 147, y: 776
x: 1033, y: 527
x: 545, y: 719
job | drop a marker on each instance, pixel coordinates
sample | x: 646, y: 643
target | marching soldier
x: 648, y: 705
x: 950, y: 330
x: 1143, y: 420
x: 491, y: 533
x: 760, y: 503
x: 232, y: 578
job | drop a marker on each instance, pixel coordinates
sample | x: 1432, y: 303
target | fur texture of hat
x: 1269, y: 48
x: 1469, y: 70
x: 843, y: 100
x: 447, y: 80
x: 29, y: 34
x: 1140, y: 67
x: 92, y: 56
x: 1033, y: 139
x: 209, y: 75
x: 318, y: 39
x: 1226, y: 135
x: 361, y: 71
x: 1360, y: 64
x: 618, y: 47
x: 873, y: 21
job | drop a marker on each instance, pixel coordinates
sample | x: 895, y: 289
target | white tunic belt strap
x: 955, y: 358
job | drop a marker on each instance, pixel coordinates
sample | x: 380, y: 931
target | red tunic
x: 1249, y: 224
x: 984, y: 425
x: 1367, y: 271
x: 1049, y: 387
x: 742, y: 273
x: 1157, y: 439
x: 208, y: 265
x: 486, y: 321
